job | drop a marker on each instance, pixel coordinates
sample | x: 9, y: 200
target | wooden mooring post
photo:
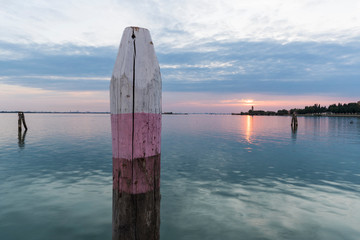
x: 135, y: 103
x: 294, y: 121
x: 21, y: 120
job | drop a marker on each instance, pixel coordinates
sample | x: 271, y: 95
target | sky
x: 215, y: 56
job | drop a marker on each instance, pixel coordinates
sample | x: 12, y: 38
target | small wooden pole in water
x: 21, y: 119
x: 19, y: 122
x: 135, y: 103
x: 294, y: 121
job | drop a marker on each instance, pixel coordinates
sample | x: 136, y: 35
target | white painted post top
x: 137, y: 63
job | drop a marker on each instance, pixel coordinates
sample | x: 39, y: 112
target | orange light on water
x: 249, y: 128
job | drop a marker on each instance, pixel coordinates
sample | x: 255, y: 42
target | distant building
x: 359, y: 102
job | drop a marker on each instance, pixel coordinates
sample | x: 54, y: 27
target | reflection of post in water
x: 294, y: 121
x: 135, y: 103
x: 293, y: 132
x: 21, y: 136
x: 294, y: 125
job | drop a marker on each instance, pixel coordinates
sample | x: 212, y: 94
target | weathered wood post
x: 294, y: 121
x: 19, y: 122
x: 21, y: 119
x: 135, y: 103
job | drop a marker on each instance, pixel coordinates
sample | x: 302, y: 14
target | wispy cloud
x: 22, y: 98
x: 178, y: 24
x: 49, y: 77
x: 267, y: 67
x: 214, y: 64
x: 6, y: 54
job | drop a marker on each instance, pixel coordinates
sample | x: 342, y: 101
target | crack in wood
x: 133, y: 128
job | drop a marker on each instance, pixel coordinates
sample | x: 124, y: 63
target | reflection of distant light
x: 248, y: 128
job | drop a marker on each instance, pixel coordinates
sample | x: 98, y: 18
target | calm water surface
x: 222, y: 177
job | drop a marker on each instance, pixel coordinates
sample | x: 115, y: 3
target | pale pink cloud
x: 37, y: 99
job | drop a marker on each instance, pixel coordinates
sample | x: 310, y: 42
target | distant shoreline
x: 329, y: 115
x: 232, y: 114
x: 55, y: 112
x: 303, y: 115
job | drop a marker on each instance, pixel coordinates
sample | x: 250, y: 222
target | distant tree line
x: 261, y: 112
x: 339, y: 108
x: 346, y: 108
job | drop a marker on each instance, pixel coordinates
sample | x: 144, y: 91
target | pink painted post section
x: 147, y: 135
x: 138, y: 171
x: 121, y: 130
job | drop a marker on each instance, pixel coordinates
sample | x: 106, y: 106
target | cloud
x: 214, y: 64
x: 23, y: 98
x: 6, y: 54
x: 59, y: 83
x: 178, y: 24
x: 266, y: 67
x: 57, y: 60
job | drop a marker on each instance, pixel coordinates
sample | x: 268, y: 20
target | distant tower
x: 252, y: 108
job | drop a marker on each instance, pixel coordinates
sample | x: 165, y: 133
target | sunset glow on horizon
x: 274, y: 55
x: 217, y: 103
x: 17, y: 98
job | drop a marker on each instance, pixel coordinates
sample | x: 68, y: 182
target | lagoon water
x: 222, y: 177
